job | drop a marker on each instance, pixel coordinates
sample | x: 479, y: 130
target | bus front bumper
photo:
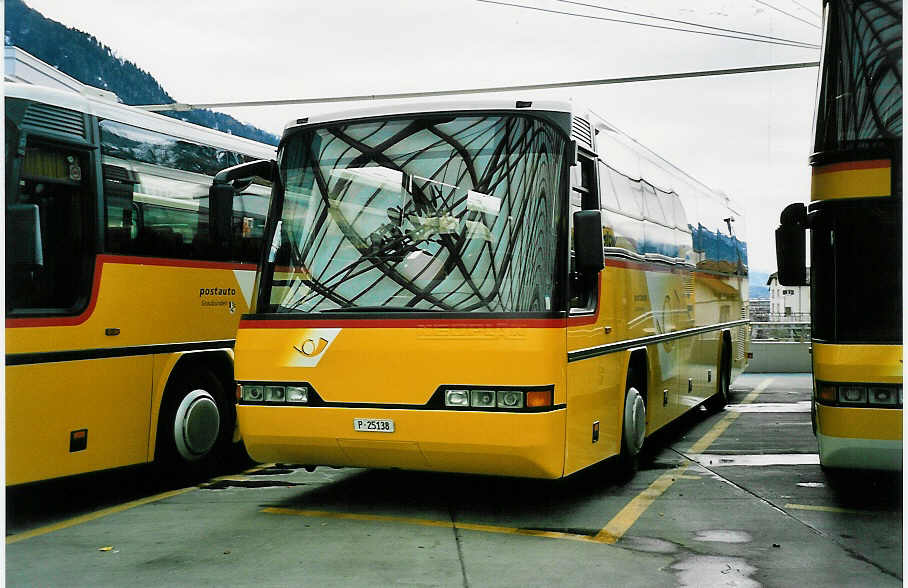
x: 497, y: 443
x: 847, y: 452
x: 860, y: 438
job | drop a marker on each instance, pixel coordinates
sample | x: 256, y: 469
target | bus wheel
x: 632, y: 431
x: 195, y: 423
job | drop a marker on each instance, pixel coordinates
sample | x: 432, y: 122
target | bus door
x: 592, y: 401
x: 75, y: 402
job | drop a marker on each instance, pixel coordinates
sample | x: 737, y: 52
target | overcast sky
x: 748, y: 135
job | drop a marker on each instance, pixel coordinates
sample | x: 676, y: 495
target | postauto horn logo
x: 311, y: 346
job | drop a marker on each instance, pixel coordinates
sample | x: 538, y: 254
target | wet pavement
x: 734, y: 498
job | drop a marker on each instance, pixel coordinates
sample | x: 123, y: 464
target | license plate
x: 374, y: 425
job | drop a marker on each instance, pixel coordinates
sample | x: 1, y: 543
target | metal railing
x: 780, y: 331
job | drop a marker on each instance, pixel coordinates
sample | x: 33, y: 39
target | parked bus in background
x: 855, y: 224
x: 122, y: 297
x: 493, y: 288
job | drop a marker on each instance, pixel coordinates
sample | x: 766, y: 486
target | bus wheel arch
x: 633, y: 421
x: 197, y: 417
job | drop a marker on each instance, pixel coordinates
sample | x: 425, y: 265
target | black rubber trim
x: 436, y: 402
x: 591, y: 352
x: 138, y: 350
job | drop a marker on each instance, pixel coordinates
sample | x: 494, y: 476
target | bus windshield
x: 860, y: 98
x: 451, y: 213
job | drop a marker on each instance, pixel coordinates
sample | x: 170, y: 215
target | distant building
x: 788, y: 303
x: 759, y: 309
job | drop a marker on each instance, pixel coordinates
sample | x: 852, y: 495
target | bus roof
x: 107, y: 109
x: 497, y: 104
x: 613, y: 146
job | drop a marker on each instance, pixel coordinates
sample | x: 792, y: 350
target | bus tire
x: 633, y: 431
x: 195, y: 427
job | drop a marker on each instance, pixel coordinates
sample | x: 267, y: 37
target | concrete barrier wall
x: 779, y: 357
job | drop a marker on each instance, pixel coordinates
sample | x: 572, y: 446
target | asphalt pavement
x: 731, y: 498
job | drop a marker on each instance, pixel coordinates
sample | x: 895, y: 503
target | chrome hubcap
x: 196, y: 425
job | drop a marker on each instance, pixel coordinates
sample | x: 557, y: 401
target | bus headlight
x: 297, y: 394
x: 457, y: 398
x: 494, y: 399
x: 510, y: 399
x: 853, y: 394
x: 274, y: 393
x: 482, y: 398
x: 883, y: 395
x: 251, y: 393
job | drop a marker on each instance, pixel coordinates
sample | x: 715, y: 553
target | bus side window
x: 583, y: 289
x: 159, y: 207
x: 53, y: 183
x: 121, y: 227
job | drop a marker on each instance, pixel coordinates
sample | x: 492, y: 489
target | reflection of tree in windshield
x: 428, y: 214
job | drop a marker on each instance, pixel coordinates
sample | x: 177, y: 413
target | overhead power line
x: 813, y: 24
x: 182, y: 107
x: 816, y: 14
x: 788, y: 43
x: 676, y: 21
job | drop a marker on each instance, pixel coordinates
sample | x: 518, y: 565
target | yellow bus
x: 508, y: 288
x: 122, y: 299
x: 855, y: 224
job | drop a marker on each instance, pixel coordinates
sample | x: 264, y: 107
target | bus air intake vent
x: 742, y: 334
x: 56, y: 119
x: 582, y: 132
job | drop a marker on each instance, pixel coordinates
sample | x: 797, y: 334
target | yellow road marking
x: 828, y: 509
x: 431, y: 523
x: 109, y: 511
x: 627, y: 516
x: 94, y: 515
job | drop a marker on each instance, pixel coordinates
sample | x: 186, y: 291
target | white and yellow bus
x: 122, y: 299
x: 855, y: 224
x: 499, y: 288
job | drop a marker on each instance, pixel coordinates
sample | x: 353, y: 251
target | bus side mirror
x: 23, y: 236
x: 790, y: 248
x: 588, y: 246
x: 220, y: 215
x: 227, y: 183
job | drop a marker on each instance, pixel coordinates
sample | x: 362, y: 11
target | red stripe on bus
x: 852, y: 165
x: 100, y: 261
